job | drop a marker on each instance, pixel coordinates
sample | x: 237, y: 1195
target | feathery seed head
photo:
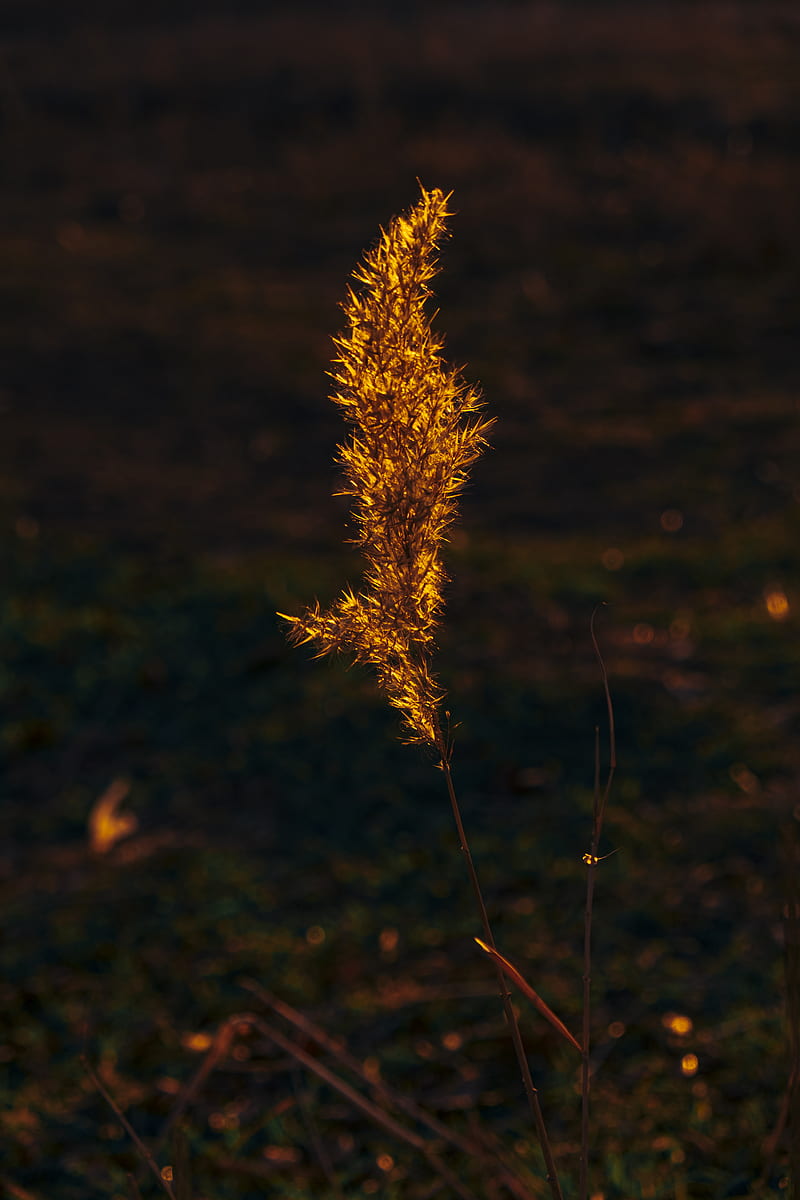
x: 413, y: 439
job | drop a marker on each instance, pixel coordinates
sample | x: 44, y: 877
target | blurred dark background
x: 187, y: 187
x: 185, y: 191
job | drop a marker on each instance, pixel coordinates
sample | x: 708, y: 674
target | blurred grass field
x: 185, y: 196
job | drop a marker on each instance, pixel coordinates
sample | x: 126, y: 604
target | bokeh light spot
x: 612, y: 559
x: 677, y: 1023
x: 744, y: 778
x: 777, y: 604
x: 388, y: 940
x: 196, y: 1041
x: 371, y: 1067
x: 671, y: 520
x: 282, y: 1154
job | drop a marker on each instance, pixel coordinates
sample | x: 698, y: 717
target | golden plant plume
x: 414, y: 436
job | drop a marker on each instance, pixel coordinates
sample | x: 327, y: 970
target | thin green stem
x: 508, y: 1007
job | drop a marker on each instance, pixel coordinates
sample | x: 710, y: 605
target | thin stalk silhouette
x: 592, y: 859
x: 415, y: 433
x: 531, y: 1091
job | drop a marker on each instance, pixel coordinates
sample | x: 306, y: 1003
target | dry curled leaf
x: 107, y: 824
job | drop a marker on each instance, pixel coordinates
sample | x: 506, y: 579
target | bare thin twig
x: 792, y: 963
x: 388, y: 1096
x: 371, y: 1110
x: 591, y: 860
x: 612, y: 737
x: 125, y: 1123
x: 789, y: 1116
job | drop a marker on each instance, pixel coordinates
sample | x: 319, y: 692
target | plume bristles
x: 405, y: 464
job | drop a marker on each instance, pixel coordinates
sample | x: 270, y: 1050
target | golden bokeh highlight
x: 196, y: 1041
x: 777, y: 604
x: 689, y: 1064
x: 108, y: 823
x: 677, y: 1023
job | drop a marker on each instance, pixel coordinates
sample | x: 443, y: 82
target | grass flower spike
x: 416, y: 430
x: 414, y: 436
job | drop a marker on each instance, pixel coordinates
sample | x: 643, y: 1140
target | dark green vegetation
x: 183, y: 203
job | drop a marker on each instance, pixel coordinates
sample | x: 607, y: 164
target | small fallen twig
x: 388, y: 1095
x: 126, y: 1125
x: 366, y: 1106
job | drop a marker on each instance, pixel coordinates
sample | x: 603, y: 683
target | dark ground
x: 184, y: 195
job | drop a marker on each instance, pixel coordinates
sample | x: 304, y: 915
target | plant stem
x: 791, y: 930
x: 583, y: 1186
x: 126, y: 1125
x: 598, y: 813
x: 508, y: 1007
